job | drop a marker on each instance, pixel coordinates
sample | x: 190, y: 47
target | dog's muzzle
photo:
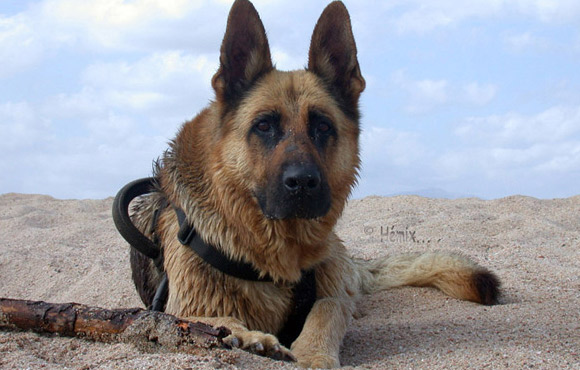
x: 301, y: 191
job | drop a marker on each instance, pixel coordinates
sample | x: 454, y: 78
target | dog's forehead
x: 290, y: 93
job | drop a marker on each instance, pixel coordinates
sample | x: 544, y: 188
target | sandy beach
x: 69, y: 251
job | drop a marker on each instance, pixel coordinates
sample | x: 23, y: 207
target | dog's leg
x: 319, y: 343
x: 338, y: 282
x: 250, y: 340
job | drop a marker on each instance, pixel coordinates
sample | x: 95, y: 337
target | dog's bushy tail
x: 451, y: 273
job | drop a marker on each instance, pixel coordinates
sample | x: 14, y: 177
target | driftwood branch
x: 147, y: 329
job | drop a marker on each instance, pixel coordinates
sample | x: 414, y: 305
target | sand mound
x: 69, y: 251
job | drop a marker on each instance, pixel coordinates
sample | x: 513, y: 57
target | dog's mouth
x: 294, y: 206
x: 281, y: 212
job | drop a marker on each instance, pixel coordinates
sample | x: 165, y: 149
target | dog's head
x: 292, y: 137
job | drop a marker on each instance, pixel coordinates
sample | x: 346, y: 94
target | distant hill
x: 434, y: 193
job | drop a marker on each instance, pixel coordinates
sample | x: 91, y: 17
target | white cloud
x: 286, y: 61
x: 112, y: 23
x: 117, y: 13
x: 389, y: 147
x: 422, y: 95
x: 514, y: 149
x: 553, y: 125
x: 424, y: 16
x: 112, y: 129
x: 163, y: 86
x: 47, y: 27
x: 391, y: 160
x: 158, y: 70
x: 526, y: 41
x: 146, y: 25
x: 40, y: 159
x: 566, y: 159
x: 513, y: 153
x: 434, y: 91
x: 421, y: 16
x: 146, y: 67
x: 511, y: 166
x: 427, y: 94
x: 20, y: 46
x: 551, y: 11
x: 478, y: 94
x: 21, y: 127
x: 124, y: 113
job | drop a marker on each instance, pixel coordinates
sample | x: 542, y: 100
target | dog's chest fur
x: 196, y: 289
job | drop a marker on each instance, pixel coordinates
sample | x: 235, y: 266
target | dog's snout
x: 301, y: 191
x: 301, y: 178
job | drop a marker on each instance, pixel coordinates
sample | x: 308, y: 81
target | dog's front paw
x: 259, y: 343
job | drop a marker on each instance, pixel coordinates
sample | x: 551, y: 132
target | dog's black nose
x: 301, y: 178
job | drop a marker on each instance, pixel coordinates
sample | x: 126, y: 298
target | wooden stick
x: 148, y: 330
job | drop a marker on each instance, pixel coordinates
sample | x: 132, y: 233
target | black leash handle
x: 123, y: 222
x: 161, y: 294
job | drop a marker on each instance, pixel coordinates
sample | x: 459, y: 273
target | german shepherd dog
x: 261, y: 176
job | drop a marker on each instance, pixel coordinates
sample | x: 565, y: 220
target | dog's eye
x: 320, y: 126
x: 263, y: 126
x: 266, y: 127
x: 323, y: 127
x: 266, y: 123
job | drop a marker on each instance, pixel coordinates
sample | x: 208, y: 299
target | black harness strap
x: 304, y: 292
x: 210, y: 254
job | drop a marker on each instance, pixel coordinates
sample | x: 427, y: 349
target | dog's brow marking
x: 292, y: 96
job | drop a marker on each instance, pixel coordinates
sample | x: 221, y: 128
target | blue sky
x: 476, y: 98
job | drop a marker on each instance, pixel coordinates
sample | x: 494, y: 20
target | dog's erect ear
x: 332, y: 54
x: 245, y: 54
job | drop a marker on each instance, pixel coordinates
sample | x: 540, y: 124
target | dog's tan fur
x: 215, y: 168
